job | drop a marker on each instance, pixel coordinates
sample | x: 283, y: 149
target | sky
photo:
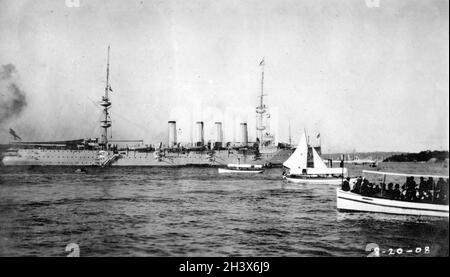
x: 366, y: 75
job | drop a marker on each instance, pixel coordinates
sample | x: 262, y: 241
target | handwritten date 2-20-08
x: 376, y: 251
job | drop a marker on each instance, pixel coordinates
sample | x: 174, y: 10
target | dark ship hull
x: 49, y: 157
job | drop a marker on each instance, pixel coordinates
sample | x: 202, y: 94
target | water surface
x: 191, y: 211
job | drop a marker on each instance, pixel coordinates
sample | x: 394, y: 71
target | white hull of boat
x: 313, y: 180
x: 354, y: 202
x: 226, y: 170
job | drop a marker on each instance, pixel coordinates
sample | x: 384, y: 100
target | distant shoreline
x: 423, y: 156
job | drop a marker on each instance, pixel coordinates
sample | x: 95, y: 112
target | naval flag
x: 262, y: 63
x: 13, y: 133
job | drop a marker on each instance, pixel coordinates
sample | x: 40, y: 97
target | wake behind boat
x: 425, y: 198
x: 319, y: 173
x: 242, y: 168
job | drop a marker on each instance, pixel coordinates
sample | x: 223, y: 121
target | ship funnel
x: 172, y: 134
x: 219, y: 133
x: 244, y: 134
x: 200, y: 138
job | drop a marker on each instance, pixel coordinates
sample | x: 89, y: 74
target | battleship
x: 104, y: 152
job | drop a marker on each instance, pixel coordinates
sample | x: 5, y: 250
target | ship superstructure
x: 101, y: 152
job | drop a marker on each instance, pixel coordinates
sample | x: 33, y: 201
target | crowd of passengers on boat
x: 426, y: 191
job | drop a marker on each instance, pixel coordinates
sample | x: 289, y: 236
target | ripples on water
x: 193, y: 212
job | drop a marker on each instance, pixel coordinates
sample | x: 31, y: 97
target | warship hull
x: 44, y: 157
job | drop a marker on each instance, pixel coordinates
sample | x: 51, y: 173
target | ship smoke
x: 12, y: 98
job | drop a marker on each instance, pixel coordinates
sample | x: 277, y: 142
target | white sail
x: 318, y: 162
x: 298, y: 159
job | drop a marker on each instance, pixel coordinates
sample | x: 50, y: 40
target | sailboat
x: 299, y: 172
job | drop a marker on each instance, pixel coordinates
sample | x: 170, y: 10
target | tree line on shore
x: 423, y: 156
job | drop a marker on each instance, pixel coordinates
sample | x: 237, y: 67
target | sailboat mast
x: 306, y: 136
x: 290, y: 138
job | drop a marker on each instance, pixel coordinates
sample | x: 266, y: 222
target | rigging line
x: 95, y: 128
x: 119, y: 116
x: 94, y: 102
x: 131, y: 122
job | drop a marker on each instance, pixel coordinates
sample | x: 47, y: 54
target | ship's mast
x: 107, y: 74
x: 260, y: 110
x: 290, y: 138
x: 106, y: 104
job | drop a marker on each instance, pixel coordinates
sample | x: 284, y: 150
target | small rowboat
x: 80, y: 171
x: 242, y: 168
x: 351, y: 201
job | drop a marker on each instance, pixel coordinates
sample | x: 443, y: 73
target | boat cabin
x: 245, y: 166
x: 421, y: 188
